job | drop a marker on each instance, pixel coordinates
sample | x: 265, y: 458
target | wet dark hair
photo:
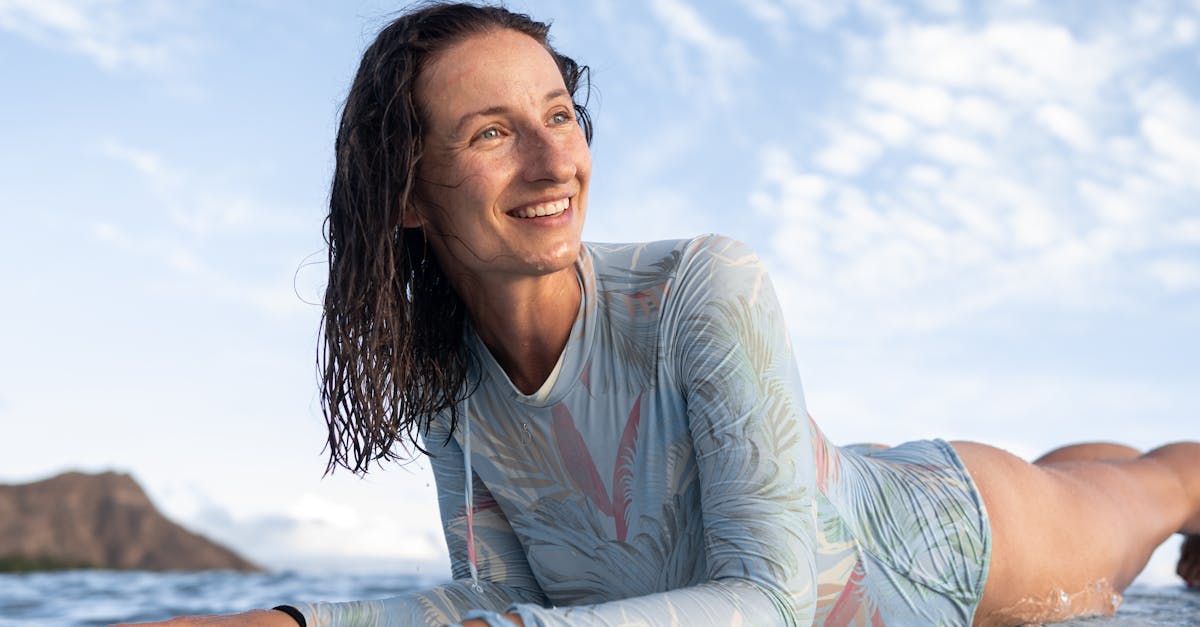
x: 393, y: 354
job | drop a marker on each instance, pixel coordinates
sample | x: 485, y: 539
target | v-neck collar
x: 571, y: 362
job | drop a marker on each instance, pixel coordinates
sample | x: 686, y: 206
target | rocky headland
x: 78, y: 520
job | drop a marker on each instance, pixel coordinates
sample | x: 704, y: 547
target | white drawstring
x: 470, y: 496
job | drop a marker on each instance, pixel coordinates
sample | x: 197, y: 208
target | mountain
x: 98, y: 521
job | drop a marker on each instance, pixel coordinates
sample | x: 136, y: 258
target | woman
x: 618, y: 433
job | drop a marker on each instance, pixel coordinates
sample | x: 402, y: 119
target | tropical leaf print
x: 512, y: 444
x: 581, y: 468
x: 631, y: 276
x: 578, y: 566
x: 623, y: 471
x: 854, y: 605
x: 678, y: 380
x: 827, y: 460
x: 630, y: 329
x: 574, y: 453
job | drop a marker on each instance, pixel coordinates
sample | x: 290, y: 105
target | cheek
x: 439, y: 193
x: 470, y: 183
x: 583, y: 155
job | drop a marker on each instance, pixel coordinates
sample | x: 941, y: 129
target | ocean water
x: 97, y: 597
x: 100, y: 597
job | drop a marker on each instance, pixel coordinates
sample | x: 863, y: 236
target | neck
x: 524, y: 322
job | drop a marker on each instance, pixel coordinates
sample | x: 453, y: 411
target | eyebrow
x: 464, y: 120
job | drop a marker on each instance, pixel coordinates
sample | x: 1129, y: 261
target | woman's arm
x: 504, y: 574
x: 505, y: 577
x: 729, y: 354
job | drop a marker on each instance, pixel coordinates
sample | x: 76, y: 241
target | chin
x: 562, y: 259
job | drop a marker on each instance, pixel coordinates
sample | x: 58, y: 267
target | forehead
x: 486, y: 69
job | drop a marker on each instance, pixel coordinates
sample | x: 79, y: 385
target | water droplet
x: 1063, y: 598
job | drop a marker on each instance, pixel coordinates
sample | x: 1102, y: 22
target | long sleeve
x: 729, y: 355
x: 504, y: 575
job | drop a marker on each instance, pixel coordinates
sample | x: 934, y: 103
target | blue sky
x: 983, y: 220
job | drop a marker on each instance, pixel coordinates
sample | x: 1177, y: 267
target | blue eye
x: 490, y: 133
x: 560, y: 118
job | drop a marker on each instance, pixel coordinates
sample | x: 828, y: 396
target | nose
x: 548, y: 155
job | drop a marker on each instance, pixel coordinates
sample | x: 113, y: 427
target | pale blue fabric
x: 670, y: 475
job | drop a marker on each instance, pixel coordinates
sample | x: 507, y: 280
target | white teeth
x: 544, y: 209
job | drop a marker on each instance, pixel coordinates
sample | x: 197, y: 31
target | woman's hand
x: 254, y: 618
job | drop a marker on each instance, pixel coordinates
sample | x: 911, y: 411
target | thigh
x: 922, y: 528
x: 1065, y: 537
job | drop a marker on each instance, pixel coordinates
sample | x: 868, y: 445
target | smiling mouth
x: 542, y: 210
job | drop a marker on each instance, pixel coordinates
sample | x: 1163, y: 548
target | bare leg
x: 1076, y: 528
x: 1088, y: 452
x: 1188, y: 567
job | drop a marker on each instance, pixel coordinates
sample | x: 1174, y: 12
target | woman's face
x: 502, y: 188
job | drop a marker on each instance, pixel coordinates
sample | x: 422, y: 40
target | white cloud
x: 1185, y: 231
x: 889, y: 126
x: 1065, y: 124
x: 1120, y: 206
x: 688, y: 36
x: 818, y: 14
x: 982, y: 115
x: 1184, y: 31
x: 926, y: 175
x: 191, y: 204
x: 1168, y: 125
x: 320, y: 526
x: 780, y: 16
x: 954, y: 150
x: 1176, y: 275
x: 848, y: 154
x: 114, y: 35
x: 772, y: 16
x: 109, y: 233
x: 928, y: 104
x: 170, y: 251
x: 943, y: 7
x: 187, y: 227
x: 146, y: 163
x: 319, y: 531
x: 1017, y: 60
x: 1041, y: 58
x: 1009, y: 160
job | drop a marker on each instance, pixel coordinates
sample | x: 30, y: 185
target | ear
x: 412, y: 218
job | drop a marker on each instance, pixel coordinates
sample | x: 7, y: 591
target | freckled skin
x: 477, y: 169
x: 515, y: 275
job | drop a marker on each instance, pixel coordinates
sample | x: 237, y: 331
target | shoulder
x: 720, y: 282
x: 716, y: 267
x: 719, y: 254
x: 629, y: 251
x: 637, y: 264
x: 691, y: 279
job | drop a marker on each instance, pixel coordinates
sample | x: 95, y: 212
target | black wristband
x: 293, y: 612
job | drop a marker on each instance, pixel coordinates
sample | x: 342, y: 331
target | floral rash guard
x: 668, y: 473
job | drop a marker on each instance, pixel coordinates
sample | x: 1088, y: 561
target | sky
x: 983, y: 221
